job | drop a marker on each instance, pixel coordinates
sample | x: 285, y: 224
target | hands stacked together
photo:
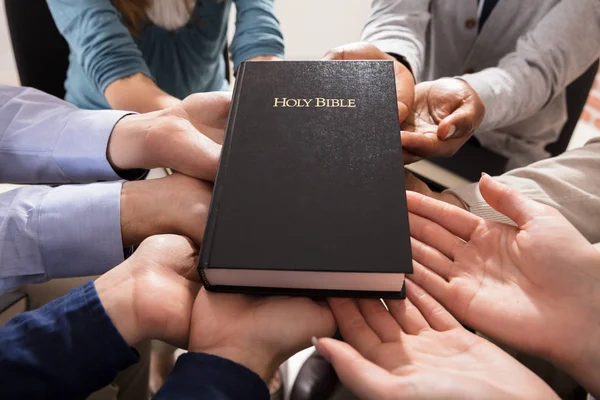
x: 156, y: 293
x: 187, y: 138
x: 533, y: 286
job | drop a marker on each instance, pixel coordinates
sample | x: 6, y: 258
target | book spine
x: 209, y: 233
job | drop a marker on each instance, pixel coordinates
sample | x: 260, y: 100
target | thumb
x: 362, y: 377
x: 461, y: 123
x: 509, y: 201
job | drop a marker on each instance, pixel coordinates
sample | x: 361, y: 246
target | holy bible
x: 310, y: 197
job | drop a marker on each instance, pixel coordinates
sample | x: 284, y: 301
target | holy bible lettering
x: 316, y: 102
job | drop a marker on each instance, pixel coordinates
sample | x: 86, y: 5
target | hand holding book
x: 364, y: 51
x: 186, y: 137
x: 533, y: 287
x: 259, y: 333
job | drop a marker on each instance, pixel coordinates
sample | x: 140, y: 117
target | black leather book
x: 309, y: 197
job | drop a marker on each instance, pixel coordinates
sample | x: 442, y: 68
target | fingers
x: 356, y: 51
x: 431, y: 282
x: 352, y: 324
x: 362, y: 377
x: 420, y: 144
x: 431, y: 258
x: 460, y: 124
x: 509, y: 201
x: 202, y: 159
x: 208, y: 113
x: 379, y: 319
x: 408, y: 317
x: 458, y: 222
x: 433, y: 235
x: 436, y: 316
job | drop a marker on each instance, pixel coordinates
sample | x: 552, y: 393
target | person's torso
x: 456, y: 47
x: 182, y: 61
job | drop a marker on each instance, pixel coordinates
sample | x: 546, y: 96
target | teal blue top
x: 181, y: 62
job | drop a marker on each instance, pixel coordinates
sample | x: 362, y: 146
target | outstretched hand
x: 415, y: 349
x: 534, y: 286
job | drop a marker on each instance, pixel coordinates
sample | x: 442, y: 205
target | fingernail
x: 451, y: 132
x: 485, y: 174
x: 314, y: 341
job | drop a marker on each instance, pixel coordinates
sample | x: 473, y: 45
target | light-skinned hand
x: 150, y: 295
x: 417, y: 350
x: 534, y: 286
x: 176, y: 204
x: 445, y: 114
x: 186, y: 137
x: 257, y: 332
x: 405, y: 83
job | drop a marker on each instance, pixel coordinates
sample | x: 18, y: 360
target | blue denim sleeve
x: 201, y: 376
x: 100, y: 42
x: 257, y: 31
x: 65, y: 350
x: 67, y: 231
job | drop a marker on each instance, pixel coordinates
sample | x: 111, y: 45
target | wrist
x: 116, y: 296
x: 126, y: 144
x: 139, y: 218
x: 259, y: 363
x: 580, y: 358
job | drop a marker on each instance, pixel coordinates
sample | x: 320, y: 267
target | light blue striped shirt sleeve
x: 70, y: 230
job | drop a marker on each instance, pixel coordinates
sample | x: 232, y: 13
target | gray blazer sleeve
x: 399, y: 26
x: 569, y: 183
x: 547, y: 58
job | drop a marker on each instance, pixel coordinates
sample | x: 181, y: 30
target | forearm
x: 257, y: 32
x: 66, y: 349
x: 46, y: 140
x: 67, y: 231
x: 399, y: 27
x: 138, y: 93
x: 569, y: 183
x: 547, y: 59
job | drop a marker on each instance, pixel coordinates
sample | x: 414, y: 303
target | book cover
x: 310, y: 197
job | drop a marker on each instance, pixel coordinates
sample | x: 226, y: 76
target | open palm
x: 416, y: 350
x: 530, y: 286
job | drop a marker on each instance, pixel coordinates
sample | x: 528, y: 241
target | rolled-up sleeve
x: 100, y: 42
x: 257, y: 31
x: 46, y: 140
x: 67, y: 231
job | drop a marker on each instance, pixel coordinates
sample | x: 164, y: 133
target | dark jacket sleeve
x: 204, y: 376
x: 65, y: 350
